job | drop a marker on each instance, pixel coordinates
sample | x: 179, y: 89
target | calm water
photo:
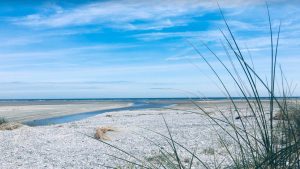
x: 137, y: 105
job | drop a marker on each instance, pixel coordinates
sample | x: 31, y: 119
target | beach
x: 72, y: 145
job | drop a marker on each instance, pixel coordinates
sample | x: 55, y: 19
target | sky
x: 137, y: 48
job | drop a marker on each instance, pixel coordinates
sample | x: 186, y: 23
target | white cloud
x: 129, y: 14
x: 56, y: 53
x: 202, y: 35
x: 19, y: 41
x: 29, y: 38
x: 187, y: 57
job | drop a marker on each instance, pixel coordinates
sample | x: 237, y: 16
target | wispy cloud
x: 209, y: 35
x: 30, y: 38
x: 19, y: 41
x: 128, y: 14
x: 188, y: 57
x: 65, y: 52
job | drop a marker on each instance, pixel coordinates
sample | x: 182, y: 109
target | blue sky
x: 103, y: 49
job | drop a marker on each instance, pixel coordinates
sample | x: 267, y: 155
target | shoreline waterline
x: 84, y: 115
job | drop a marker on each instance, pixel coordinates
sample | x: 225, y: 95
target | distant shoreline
x: 130, y: 99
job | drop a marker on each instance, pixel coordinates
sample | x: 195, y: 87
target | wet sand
x: 22, y: 111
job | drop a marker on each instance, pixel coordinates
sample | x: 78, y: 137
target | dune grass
x: 262, y: 141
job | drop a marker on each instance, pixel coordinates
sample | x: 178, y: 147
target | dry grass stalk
x: 101, y: 133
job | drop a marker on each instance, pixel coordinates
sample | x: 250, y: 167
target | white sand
x: 67, y: 146
x: 25, y: 112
